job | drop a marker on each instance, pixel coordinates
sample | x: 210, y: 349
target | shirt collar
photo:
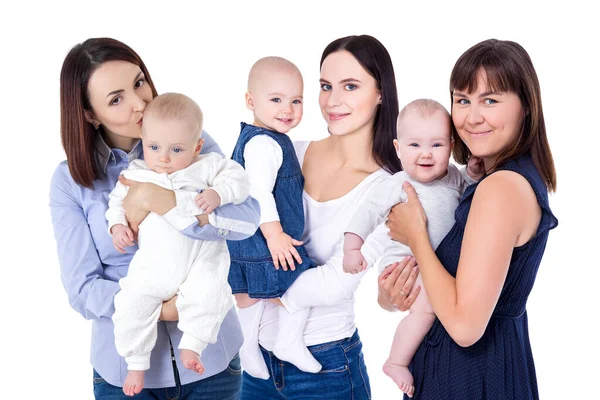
x: 104, y: 153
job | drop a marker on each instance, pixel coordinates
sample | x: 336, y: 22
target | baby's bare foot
x: 191, y: 360
x: 401, y: 376
x: 134, y: 383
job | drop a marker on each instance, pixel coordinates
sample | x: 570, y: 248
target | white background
x: 206, y: 52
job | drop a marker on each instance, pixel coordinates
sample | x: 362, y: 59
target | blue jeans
x: 343, y: 377
x: 225, y: 385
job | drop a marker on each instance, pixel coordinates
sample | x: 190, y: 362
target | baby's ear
x: 397, y: 147
x: 199, y: 145
x: 249, y: 101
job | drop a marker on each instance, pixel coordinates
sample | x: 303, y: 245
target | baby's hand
x: 282, y: 249
x: 208, y: 200
x: 122, y: 237
x: 354, y: 262
x: 475, y: 168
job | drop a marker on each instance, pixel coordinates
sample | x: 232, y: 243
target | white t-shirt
x: 324, y: 225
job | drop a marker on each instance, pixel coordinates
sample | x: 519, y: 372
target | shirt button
x: 225, y: 232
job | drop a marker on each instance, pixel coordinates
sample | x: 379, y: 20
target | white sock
x: 289, y: 345
x: 250, y: 355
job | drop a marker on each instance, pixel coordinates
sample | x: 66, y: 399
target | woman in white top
x: 359, y: 101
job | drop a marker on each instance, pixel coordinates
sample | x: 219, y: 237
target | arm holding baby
x: 373, y: 211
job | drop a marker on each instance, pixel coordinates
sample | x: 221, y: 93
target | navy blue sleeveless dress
x: 252, y: 270
x: 500, y: 365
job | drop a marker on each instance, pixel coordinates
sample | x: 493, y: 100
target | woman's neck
x: 119, y: 142
x: 490, y: 164
x: 354, y: 150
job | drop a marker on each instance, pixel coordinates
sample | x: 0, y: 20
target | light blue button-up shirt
x: 91, y: 268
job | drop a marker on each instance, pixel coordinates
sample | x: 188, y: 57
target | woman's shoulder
x: 62, y: 185
x: 525, y: 167
x: 210, y: 145
x: 515, y: 177
x: 503, y: 183
x: 369, y: 186
x: 61, y: 176
x: 381, y: 178
x: 300, y: 146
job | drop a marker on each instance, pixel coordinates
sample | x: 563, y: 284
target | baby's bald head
x: 425, y: 109
x: 176, y: 106
x: 264, y: 70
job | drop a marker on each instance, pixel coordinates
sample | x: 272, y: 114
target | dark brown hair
x: 508, y: 68
x: 375, y: 59
x: 77, y: 134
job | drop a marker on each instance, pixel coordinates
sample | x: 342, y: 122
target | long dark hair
x: 508, y: 68
x: 375, y: 59
x: 77, y: 134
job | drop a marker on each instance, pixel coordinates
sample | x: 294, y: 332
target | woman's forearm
x: 440, y: 285
x: 202, y: 219
x: 232, y: 222
x: 325, y: 285
x: 160, y: 201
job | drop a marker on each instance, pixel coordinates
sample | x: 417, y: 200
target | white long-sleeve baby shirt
x: 439, y: 199
x: 211, y: 170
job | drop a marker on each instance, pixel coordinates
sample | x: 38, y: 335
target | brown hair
x: 77, y: 134
x: 372, y: 55
x: 508, y: 68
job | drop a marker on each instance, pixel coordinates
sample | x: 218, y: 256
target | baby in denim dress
x: 264, y: 266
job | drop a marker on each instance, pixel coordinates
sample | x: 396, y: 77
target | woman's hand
x: 397, y: 285
x: 168, y: 311
x: 475, y: 168
x: 137, y: 202
x: 407, y: 221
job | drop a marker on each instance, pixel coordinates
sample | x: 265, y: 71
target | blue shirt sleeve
x: 245, y: 218
x: 81, y: 269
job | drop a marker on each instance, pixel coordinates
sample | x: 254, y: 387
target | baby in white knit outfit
x: 168, y: 263
x: 423, y: 145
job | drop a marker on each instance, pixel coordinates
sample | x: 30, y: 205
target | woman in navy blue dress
x: 480, y: 277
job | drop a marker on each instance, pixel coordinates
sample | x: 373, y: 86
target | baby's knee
x: 242, y: 300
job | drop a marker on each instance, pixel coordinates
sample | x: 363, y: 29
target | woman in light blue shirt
x: 104, y: 89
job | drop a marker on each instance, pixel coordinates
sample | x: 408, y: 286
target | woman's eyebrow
x: 488, y: 93
x: 350, y: 80
x: 122, y: 90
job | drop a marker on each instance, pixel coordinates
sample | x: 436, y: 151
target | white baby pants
x: 169, y: 263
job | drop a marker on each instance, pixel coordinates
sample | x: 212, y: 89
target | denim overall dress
x: 252, y: 270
